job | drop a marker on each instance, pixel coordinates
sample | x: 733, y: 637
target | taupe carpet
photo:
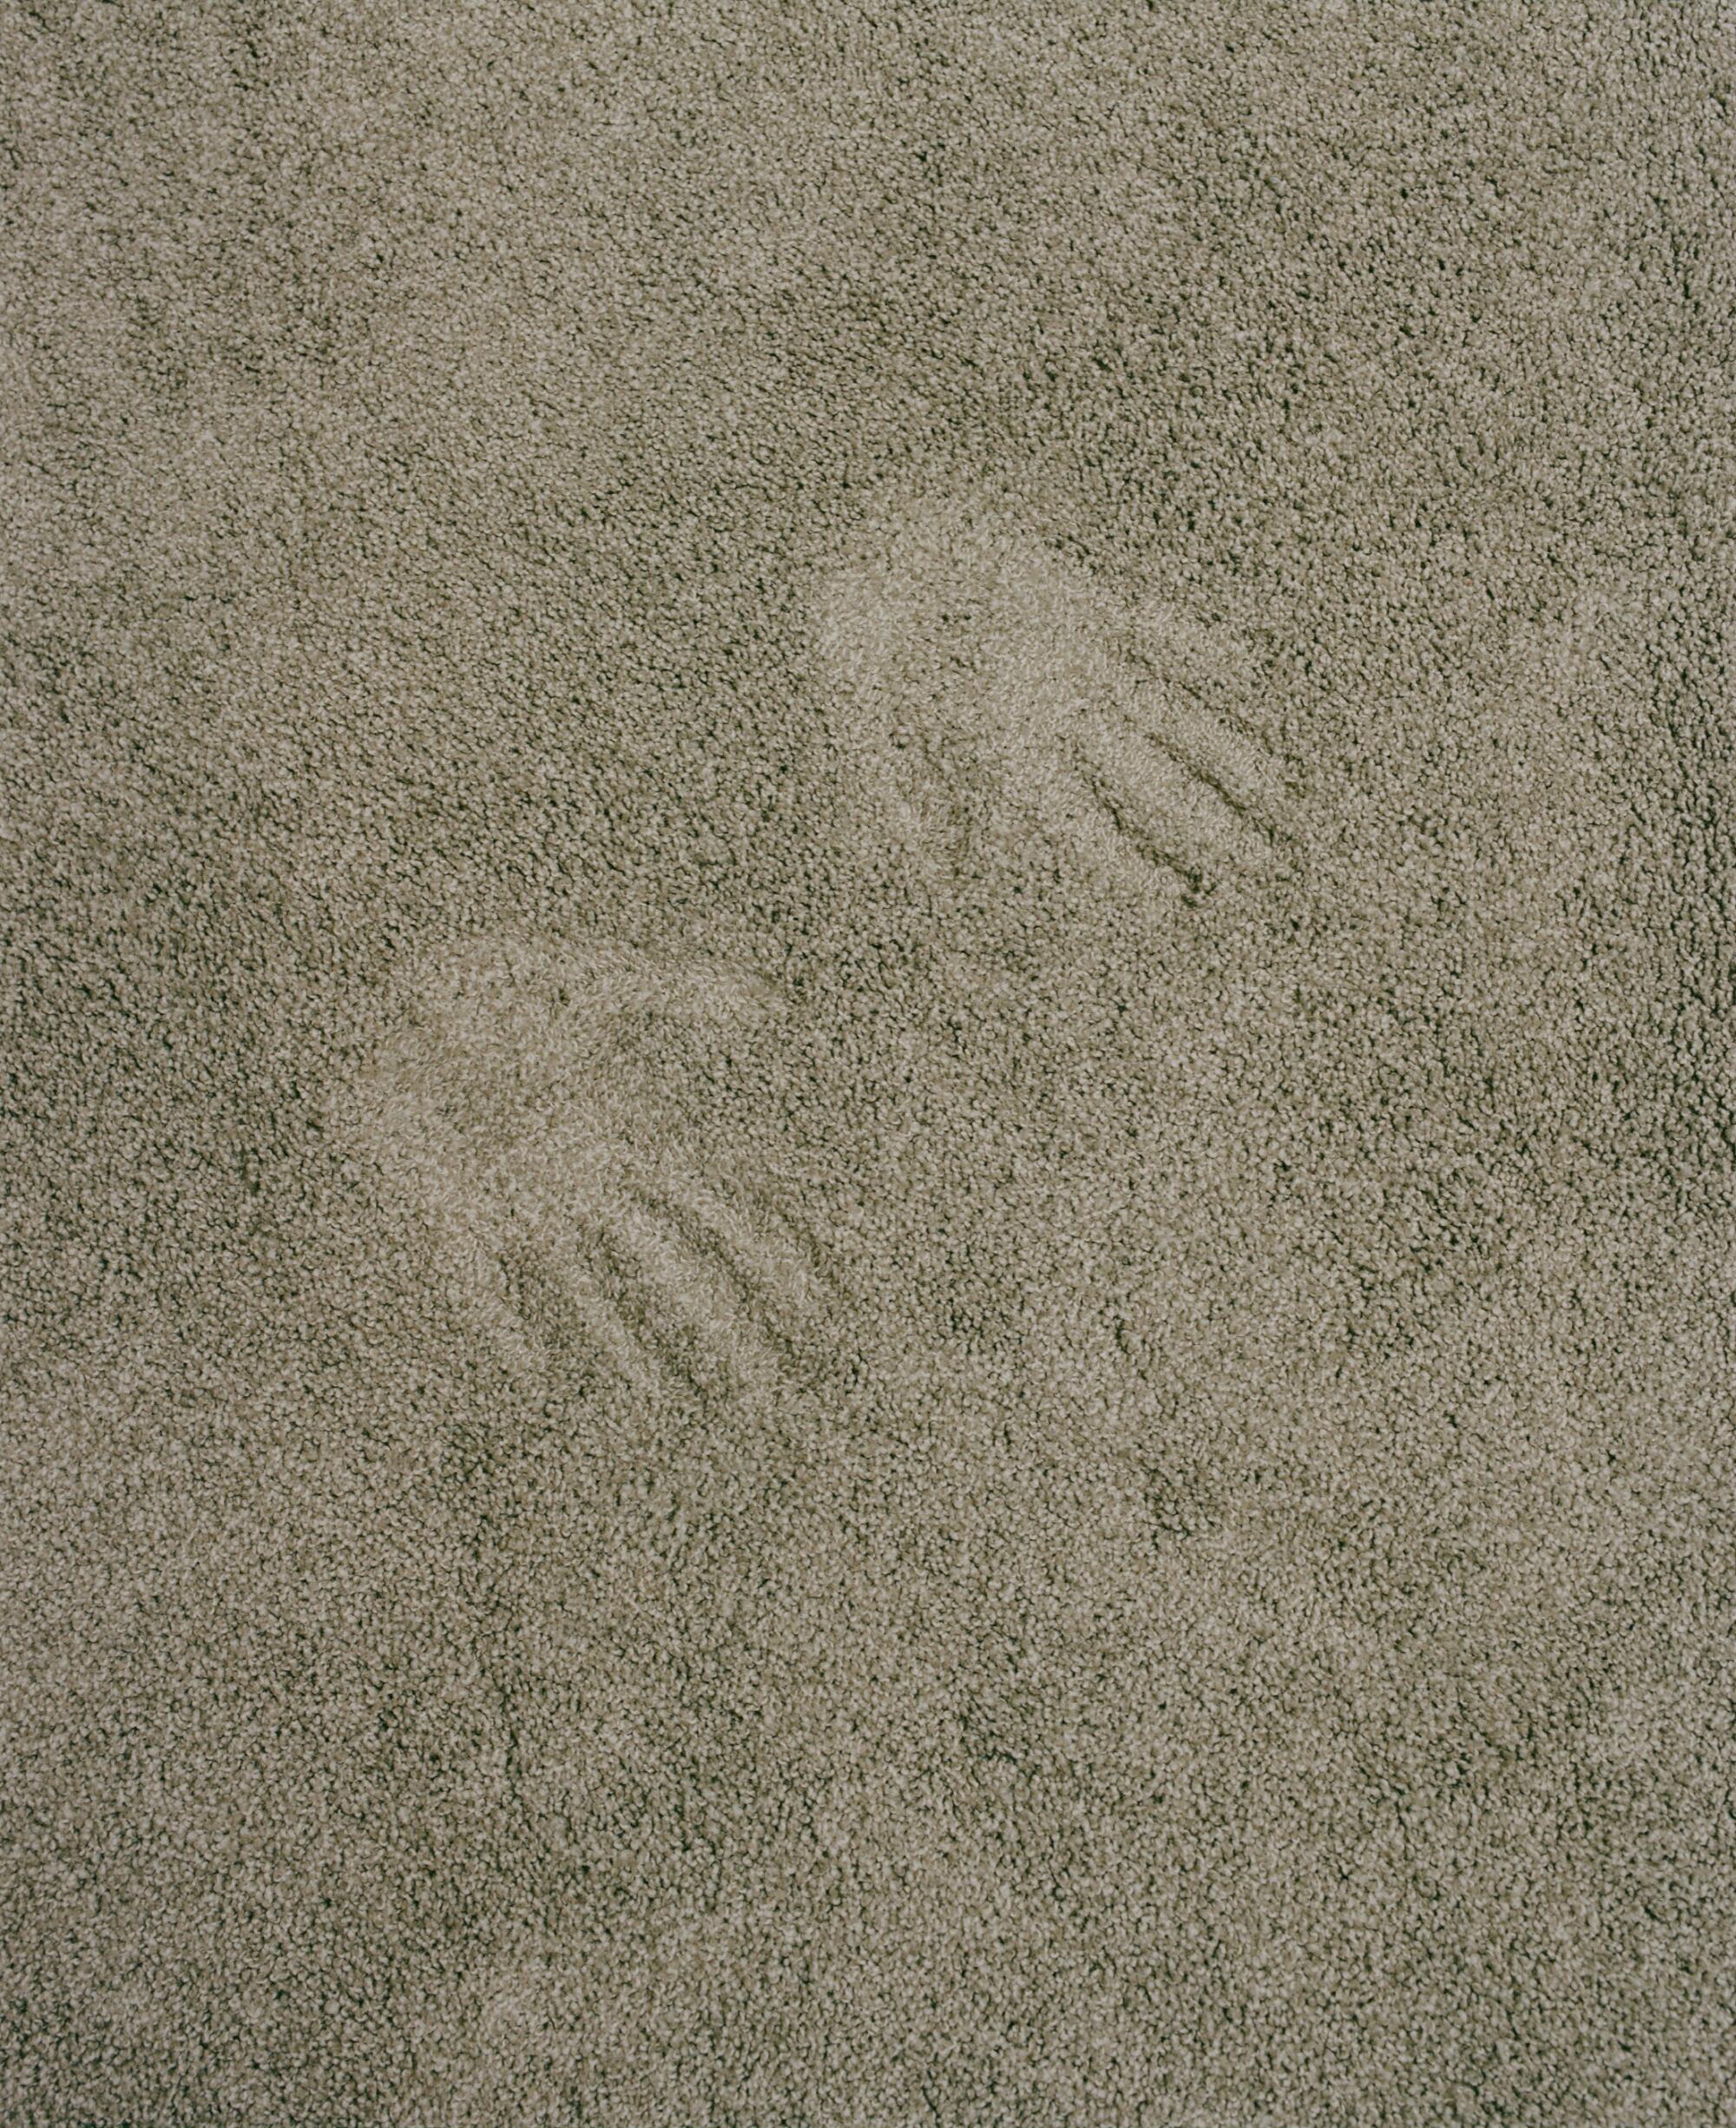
x: 869, y: 1250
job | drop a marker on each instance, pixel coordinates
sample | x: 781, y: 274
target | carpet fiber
x: 869, y: 1248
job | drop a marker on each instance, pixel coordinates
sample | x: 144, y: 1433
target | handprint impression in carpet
x: 978, y: 657
x: 532, y: 1111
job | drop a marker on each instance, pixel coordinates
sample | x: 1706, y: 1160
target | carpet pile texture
x: 865, y: 1067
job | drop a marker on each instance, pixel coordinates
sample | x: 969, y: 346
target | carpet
x: 867, y: 1100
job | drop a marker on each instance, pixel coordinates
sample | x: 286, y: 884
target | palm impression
x: 980, y: 660
x: 543, y: 1110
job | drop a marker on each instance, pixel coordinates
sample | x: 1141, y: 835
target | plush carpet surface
x: 869, y: 1250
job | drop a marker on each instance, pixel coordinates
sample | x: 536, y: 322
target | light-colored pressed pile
x: 866, y: 1065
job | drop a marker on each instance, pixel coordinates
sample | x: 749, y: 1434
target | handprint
x: 977, y: 658
x: 529, y: 1111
